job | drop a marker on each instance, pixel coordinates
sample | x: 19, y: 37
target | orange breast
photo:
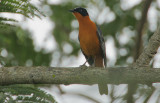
x: 89, y: 41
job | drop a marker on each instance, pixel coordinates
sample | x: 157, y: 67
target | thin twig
x: 140, y: 28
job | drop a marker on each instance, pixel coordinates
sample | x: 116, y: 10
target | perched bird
x: 91, y: 41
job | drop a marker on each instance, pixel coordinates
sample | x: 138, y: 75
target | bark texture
x: 150, y: 50
x: 63, y: 75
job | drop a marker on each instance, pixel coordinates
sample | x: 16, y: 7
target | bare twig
x: 151, y: 49
x: 140, y: 28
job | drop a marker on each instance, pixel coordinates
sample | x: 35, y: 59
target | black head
x: 80, y: 10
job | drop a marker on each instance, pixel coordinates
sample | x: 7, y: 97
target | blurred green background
x: 122, y: 25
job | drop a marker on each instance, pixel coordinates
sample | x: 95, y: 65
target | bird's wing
x: 102, y: 45
x: 90, y: 60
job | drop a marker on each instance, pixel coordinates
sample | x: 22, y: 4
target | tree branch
x: 140, y: 27
x: 63, y: 75
x: 151, y: 49
x: 57, y: 75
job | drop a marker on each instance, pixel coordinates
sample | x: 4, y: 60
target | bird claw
x: 83, y: 67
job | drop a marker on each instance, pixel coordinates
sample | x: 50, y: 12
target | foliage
x: 17, y: 48
x: 15, y: 42
x: 23, y: 7
x: 24, y: 94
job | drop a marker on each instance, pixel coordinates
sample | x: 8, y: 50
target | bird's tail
x: 103, y: 88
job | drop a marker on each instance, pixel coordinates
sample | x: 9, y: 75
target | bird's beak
x: 72, y: 11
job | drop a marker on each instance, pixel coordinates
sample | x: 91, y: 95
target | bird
x: 91, y: 40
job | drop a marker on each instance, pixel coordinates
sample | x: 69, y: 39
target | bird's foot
x: 83, y: 66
